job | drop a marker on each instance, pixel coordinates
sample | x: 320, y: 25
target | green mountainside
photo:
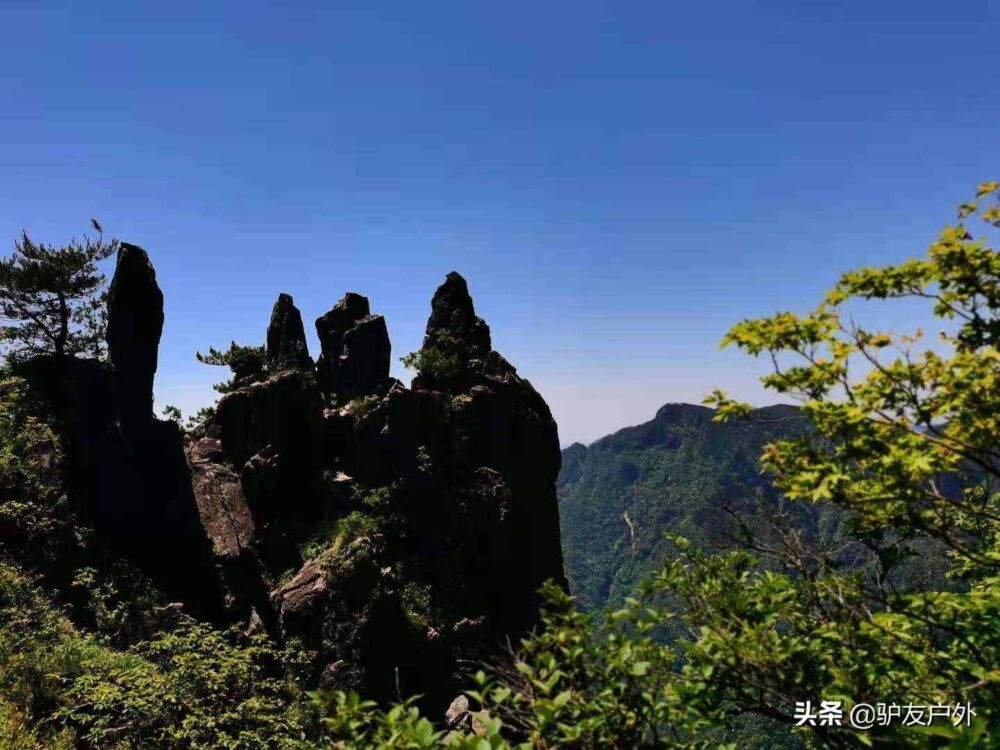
x: 684, y: 474
x: 676, y: 473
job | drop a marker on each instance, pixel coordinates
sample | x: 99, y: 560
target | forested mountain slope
x: 676, y: 473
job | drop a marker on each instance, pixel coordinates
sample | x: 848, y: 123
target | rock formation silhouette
x: 392, y: 531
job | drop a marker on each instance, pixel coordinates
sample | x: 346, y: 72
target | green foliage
x: 115, y: 684
x: 247, y: 364
x: 34, y: 513
x: 26, y: 442
x: 363, y: 405
x: 191, y: 687
x: 52, y: 298
x: 17, y: 732
x: 905, y: 444
x: 374, y: 513
x: 113, y: 601
x: 192, y: 420
x: 355, y: 723
x: 575, y: 684
x: 172, y: 413
x: 203, y: 414
x: 441, y: 365
x: 679, y: 474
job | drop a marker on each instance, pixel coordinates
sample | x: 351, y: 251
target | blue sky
x: 619, y: 182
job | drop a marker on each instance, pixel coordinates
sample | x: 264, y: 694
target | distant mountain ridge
x: 620, y: 495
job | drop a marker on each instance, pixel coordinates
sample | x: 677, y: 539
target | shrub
x: 444, y: 369
x: 193, y: 687
x: 35, y: 517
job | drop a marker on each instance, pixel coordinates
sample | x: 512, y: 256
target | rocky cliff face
x: 125, y: 471
x: 393, y: 532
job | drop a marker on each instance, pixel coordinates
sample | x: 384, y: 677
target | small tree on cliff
x: 52, y: 298
x: 247, y: 364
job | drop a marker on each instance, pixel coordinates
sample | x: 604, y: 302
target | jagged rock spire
x: 350, y: 309
x: 286, y: 338
x: 356, y: 349
x: 453, y: 326
x: 135, y: 323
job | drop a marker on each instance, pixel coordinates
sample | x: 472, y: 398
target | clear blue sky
x: 618, y: 181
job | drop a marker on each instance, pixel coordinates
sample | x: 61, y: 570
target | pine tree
x: 52, y: 298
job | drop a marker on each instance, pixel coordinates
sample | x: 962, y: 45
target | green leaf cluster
x: 442, y: 363
x: 188, y: 687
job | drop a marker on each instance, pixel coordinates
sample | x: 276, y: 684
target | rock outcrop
x: 501, y: 425
x: 472, y: 455
x: 223, y: 511
x: 282, y: 411
x: 145, y: 503
x: 453, y: 326
x: 286, y: 338
x: 125, y: 471
x: 299, y: 602
x: 394, y: 532
x: 135, y: 323
x: 330, y: 328
x: 356, y: 350
x: 229, y: 526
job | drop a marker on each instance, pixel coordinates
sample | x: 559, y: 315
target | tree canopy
x: 247, y: 363
x: 52, y: 297
x: 905, y: 441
